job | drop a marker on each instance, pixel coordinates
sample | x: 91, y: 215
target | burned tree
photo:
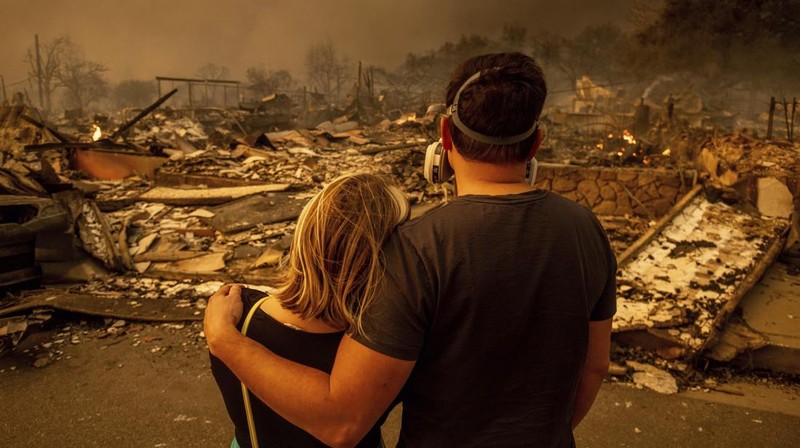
x: 44, y: 62
x: 264, y: 82
x: 211, y: 72
x: 83, y: 80
x: 326, y: 69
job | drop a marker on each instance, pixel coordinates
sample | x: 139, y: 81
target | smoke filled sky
x: 143, y: 38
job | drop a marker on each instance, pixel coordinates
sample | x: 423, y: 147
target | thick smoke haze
x: 143, y: 38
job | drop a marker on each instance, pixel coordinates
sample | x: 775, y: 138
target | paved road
x: 152, y: 388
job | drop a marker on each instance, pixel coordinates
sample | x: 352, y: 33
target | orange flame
x: 97, y: 134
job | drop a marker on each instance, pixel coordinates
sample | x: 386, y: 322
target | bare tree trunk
x: 39, y: 72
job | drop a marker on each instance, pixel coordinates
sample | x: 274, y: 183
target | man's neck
x: 481, y: 178
x: 490, y: 188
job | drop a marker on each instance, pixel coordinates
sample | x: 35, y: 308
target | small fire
x: 97, y: 134
x: 610, y: 136
x: 666, y: 152
x: 628, y: 137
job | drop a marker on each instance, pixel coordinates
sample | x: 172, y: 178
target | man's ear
x: 447, y: 139
x: 537, y: 142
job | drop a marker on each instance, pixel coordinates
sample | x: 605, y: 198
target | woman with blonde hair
x: 333, y: 270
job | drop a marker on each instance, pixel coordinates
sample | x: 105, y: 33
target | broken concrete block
x: 774, y: 198
x: 653, y: 378
x: 737, y: 337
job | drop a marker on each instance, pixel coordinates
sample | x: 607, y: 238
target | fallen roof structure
x: 680, y: 283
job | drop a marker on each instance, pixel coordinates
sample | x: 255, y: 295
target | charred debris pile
x: 142, y: 216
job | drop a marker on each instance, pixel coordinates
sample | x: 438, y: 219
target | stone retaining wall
x: 616, y: 191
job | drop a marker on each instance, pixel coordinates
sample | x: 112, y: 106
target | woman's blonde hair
x: 336, y: 260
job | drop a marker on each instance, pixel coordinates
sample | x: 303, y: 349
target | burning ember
x: 97, y: 134
x: 623, y: 148
x: 628, y: 137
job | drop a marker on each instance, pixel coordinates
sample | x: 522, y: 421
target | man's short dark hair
x: 500, y: 103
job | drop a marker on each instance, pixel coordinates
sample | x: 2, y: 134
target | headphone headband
x: 477, y: 136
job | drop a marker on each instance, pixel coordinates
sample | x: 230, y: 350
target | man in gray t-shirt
x: 492, y: 297
x: 495, y: 309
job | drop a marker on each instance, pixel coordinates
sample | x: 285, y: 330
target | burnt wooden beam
x: 98, y: 146
x: 651, y: 233
x: 59, y: 136
x: 379, y: 149
x: 146, y: 111
x: 198, y: 80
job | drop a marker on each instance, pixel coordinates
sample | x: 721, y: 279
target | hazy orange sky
x: 144, y: 38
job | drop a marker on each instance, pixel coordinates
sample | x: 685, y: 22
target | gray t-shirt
x: 492, y: 296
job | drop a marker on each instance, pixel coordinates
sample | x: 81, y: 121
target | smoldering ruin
x: 128, y: 202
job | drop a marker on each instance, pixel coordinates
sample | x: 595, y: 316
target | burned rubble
x: 156, y: 215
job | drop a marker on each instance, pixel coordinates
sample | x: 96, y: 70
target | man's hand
x: 223, y: 312
x: 338, y: 409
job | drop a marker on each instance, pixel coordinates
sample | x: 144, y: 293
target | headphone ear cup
x: 437, y: 170
x: 401, y: 204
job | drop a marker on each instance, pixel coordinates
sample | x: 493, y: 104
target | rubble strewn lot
x: 210, y: 203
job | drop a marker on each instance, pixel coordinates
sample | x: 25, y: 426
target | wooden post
x: 372, y: 82
x: 786, y: 116
x: 39, y: 73
x: 358, y: 92
x: 338, y: 86
x: 191, y: 103
x: 794, y: 111
x: 158, y: 81
x: 3, y: 82
x: 771, y: 114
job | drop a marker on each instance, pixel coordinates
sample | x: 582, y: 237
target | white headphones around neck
x: 437, y: 170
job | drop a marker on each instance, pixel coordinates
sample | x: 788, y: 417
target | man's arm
x: 594, y: 369
x: 338, y: 409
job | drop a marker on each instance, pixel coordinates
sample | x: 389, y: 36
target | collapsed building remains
x: 145, y: 222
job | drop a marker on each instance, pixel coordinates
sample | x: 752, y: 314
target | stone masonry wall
x: 616, y: 191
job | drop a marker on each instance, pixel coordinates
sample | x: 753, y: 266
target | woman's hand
x: 222, y: 314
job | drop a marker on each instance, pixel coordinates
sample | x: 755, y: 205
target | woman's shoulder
x: 250, y: 297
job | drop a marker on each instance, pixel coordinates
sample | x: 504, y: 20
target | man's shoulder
x: 561, y: 208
